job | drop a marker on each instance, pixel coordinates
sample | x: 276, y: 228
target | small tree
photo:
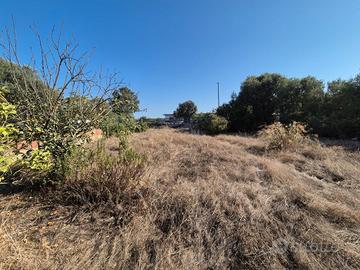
x: 121, y: 121
x: 186, y: 110
x: 124, y: 101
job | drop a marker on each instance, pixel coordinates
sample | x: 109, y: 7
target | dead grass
x: 202, y: 203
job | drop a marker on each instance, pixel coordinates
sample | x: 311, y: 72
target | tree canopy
x: 124, y: 101
x: 269, y: 97
x: 186, y: 110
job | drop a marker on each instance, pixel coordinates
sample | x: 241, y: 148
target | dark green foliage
x: 121, y: 120
x: 341, y: 110
x: 210, y: 123
x: 124, y: 101
x: 186, y: 110
x: 115, y: 125
x: 270, y: 97
x: 255, y: 105
x: 25, y: 85
x: 127, y: 123
x: 300, y: 99
x: 110, y: 124
x: 258, y: 99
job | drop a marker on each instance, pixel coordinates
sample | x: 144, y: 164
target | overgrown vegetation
x: 121, y: 121
x: 270, y: 97
x: 209, y: 123
x: 164, y: 199
x: 57, y: 105
x: 185, y: 110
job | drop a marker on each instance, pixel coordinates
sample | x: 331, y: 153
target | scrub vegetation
x: 85, y: 185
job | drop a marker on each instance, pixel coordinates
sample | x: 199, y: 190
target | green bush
x: 7, y: 134
x: 38, y: 160
x: 123, y: 124
x: 57, y: 107
x: 210, y: 123
x: 121, y: 121
x: 109, y: 125
x: 143, y: 125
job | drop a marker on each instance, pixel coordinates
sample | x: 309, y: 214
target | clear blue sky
x: 171, y: 51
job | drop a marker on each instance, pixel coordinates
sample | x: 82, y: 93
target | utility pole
x: 218, y: 89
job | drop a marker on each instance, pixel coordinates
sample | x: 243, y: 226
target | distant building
x: 172, y: 121
x: 169, y: 117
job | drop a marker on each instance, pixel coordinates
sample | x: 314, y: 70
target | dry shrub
x: 279, y: 136
x: 96, y: 176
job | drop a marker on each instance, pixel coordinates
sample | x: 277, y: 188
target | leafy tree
x: 121, y: 125
x: 301, y: 100
x: 270, y: 97
x: 186, y: 110
x: 121, y: 121
x: 341, y: 110
x: 124, y: 101
x: 256, y: 103
x: 258, y: 98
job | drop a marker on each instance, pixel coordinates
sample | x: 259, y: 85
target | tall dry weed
x: 279, y: 136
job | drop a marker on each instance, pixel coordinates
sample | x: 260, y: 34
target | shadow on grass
x: 9, y: 189
x: 349, y: 145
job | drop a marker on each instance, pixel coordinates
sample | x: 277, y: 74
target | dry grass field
x: 201, y: 203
